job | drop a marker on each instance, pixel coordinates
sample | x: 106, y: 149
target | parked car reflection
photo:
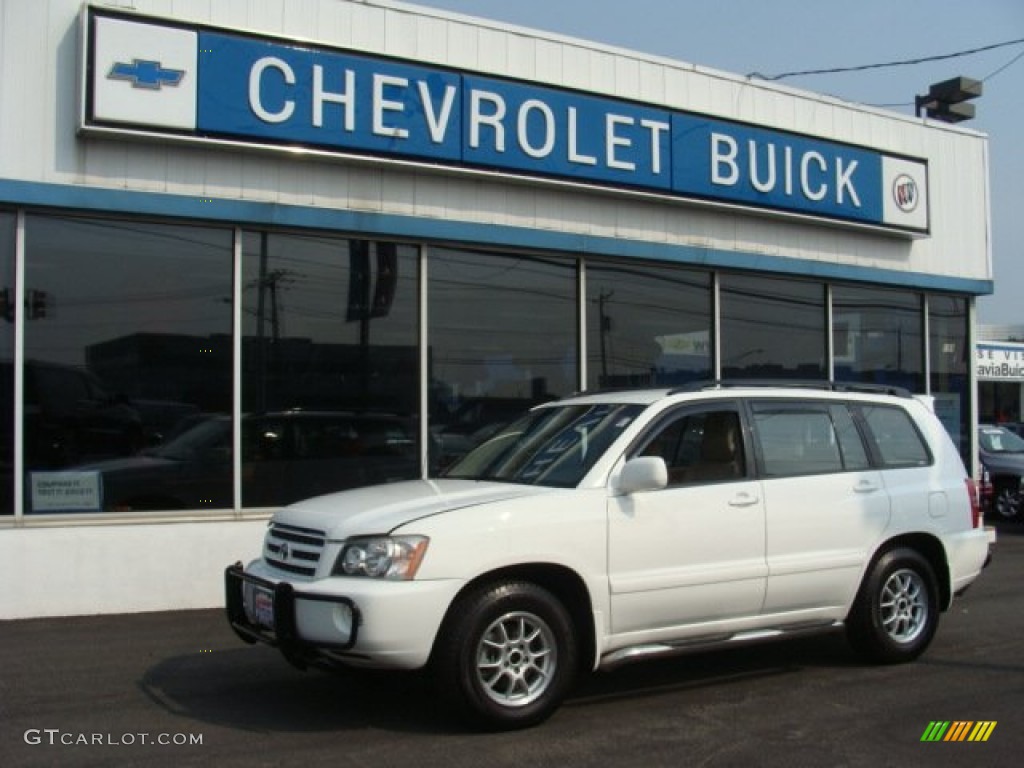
x: 286, y: 456
x: 455, y: 434
x: 70, y: 416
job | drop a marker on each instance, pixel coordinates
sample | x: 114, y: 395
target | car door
x: 690, y: 555
x: 825, y: 505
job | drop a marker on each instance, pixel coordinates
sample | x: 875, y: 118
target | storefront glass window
x: 128, y: 353
x: 772, y: 328
x: 877, y: 336
x: 949, y: 358
x: 7, y: 233
x: 329, y: 365
x: 647, y: 326
x: 502, y: 337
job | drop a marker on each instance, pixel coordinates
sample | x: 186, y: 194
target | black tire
x: 507, y: 657
x: 1007, y: 501
x: 896, y: 612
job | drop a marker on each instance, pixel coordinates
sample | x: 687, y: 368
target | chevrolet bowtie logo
x: 145, y: 74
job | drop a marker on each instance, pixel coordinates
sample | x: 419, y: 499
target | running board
x: 717, y: 641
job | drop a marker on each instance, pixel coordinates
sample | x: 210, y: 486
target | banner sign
x: 999, y: 362
x: 154, y: 77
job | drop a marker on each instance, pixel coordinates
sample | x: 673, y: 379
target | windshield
x: 1000, y: 440
x: 553, y: 446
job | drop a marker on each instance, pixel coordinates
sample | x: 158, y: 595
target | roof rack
x: 829, y: 386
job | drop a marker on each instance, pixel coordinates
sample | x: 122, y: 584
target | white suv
x: 610, y: 527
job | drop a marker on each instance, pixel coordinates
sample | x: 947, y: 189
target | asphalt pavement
x: 179, y: 689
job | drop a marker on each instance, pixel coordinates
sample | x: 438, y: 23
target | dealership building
x: 252, y: 253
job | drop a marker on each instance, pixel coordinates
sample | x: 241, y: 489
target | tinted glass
x: 702, y: 447
x: 949, y: 359
x: 772, y: 328
x: 807, y: 438
x: 127, y: 342
x: 502, y: 337
x: 7, y: 244
x: 896, y: 438
x: 647, y: 326
x: 877, y: 336
x: 330, y: 369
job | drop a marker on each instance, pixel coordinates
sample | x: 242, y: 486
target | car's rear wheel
x: 896, y: 612
x: 507, y: 656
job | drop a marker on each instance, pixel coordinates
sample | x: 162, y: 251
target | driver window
x: 705, y: 447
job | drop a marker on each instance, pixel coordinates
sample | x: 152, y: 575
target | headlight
x: 381, y: 557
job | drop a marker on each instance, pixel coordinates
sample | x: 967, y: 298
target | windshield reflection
x: 552, y: 446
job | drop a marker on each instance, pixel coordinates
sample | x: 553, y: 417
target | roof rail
x: 829, y: 386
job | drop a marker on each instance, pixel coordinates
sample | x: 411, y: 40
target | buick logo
x: 284, y: 552
x: 905, y: 193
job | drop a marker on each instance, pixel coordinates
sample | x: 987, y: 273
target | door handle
x: 743, y: 500
x: 865, y: 486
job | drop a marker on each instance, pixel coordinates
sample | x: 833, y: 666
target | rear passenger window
x: 807, y: 439
x: 897, y: 439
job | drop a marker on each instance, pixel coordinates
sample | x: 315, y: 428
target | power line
x: 985, y: 79
x: 903, y: 63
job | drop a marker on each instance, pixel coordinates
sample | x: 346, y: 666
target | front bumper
x: 281, y: 630
x: 353, y: 622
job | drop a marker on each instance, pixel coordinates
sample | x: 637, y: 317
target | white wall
x: 55, y: 571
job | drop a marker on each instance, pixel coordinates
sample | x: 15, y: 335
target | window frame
x: 874, y: 444
x: 806, y: 405
x: 685, y: 410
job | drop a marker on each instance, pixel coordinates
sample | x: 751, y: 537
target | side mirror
x: 644, y: 473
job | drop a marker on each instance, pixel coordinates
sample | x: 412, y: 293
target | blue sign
x: 251, y: 89
x: 729, y: 161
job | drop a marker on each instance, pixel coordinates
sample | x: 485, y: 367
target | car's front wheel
x: 1007, y: 503
x: 896, y: 612
x: 508, y: 655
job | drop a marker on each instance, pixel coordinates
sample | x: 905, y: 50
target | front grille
x: 294, y: 549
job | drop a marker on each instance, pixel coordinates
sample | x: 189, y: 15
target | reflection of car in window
x: 474, y: 420
x: 70, y: 416
x: 285, y: 456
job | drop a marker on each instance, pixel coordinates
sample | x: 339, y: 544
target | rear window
x: 896, y: 438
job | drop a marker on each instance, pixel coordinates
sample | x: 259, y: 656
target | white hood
x: 382, y: 508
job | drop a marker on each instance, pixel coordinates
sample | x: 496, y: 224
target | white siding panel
x: 493, y: 52
x: 627, y: 78
x: 549, y: 61
x: 228, y: 13
x: 368, y: 28
x: 401, y: 35
x: 522, y: 58
x: 576, y: 71
x: 199, y: 10
x: 301, y: 20
x: 463, y: 46
x: 432, y: 40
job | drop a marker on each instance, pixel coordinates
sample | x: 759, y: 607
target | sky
x: 776, y: 36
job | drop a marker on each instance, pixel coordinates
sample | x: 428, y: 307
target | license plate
x: 263, y: 607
